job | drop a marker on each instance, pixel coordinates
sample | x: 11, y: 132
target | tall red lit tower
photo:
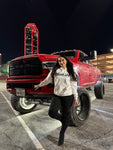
x: 31, y: 39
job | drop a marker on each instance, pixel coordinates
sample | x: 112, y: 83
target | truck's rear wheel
x: 80, y: 113
x: 99, y: 90
x: 21, y: 104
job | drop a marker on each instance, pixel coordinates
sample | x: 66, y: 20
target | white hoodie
x: 64, y: 85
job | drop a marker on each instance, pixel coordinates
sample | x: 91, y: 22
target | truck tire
x: 80, y: 113
x: 99, y: 90
x: 21, y: 104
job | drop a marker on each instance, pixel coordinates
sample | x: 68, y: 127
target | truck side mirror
x: 93, y: 54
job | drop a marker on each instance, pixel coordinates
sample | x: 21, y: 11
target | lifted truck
x: 26, y: 71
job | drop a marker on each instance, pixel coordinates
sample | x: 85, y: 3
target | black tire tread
x: 99, y: 90
x: 75, y: 119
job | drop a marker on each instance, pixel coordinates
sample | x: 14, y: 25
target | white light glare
x: 111, y: 50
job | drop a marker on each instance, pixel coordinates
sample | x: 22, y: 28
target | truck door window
x: 89, y: 62
x: 81, y: 56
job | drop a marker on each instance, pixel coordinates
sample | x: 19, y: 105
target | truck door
x: 83, y: 71
x: 92, y: 73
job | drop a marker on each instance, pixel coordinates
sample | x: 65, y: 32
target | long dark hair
x: 69, y: 66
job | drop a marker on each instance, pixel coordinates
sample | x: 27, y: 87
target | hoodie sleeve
x: 74, y: 87
x: 47, y: 80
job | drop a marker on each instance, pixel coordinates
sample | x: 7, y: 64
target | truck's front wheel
x: 21, y: 104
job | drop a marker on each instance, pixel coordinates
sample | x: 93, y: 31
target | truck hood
x: 42, y: 57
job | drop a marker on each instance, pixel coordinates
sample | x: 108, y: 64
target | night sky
x: 74, y: 24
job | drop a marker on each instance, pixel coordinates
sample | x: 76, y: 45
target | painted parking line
x: 15, y: 112
x: 103, y: 111
x: 26, y: 128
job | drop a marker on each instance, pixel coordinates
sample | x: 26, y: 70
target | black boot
x: 61, y: 139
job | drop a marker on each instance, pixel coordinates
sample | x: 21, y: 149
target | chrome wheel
x: 78, y: 107
x: 24, y: 103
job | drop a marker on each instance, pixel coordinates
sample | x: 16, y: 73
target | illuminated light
x: 111, y: 50
x: 109, y: 66
x: 111, y: 56
x: 4, y: 70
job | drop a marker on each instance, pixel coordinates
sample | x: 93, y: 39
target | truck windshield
x: 70, y: 54
x: 48, y: 64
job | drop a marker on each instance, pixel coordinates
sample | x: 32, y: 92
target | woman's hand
x: 36, y: 87
x: 76, y: 102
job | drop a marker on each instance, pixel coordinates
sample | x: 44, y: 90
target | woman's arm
x: 74, y: 87
x: 46, y: 81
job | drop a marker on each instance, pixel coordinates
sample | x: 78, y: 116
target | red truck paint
x: 87, y: 74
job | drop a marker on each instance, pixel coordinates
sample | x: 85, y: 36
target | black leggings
x: 64, y: 103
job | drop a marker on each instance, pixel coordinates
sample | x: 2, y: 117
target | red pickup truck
x: 26, y: 71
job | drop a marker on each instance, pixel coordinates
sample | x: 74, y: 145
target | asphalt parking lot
x: 37, y: 131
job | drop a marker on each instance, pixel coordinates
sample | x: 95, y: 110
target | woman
x: 65, y: 92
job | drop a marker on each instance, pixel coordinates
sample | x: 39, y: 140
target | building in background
x: 0, y: 59
x: 104, y: 62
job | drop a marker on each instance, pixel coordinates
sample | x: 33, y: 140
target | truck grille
x: 29, y: 66
x: 26, y: 85
x: 20, y: 85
